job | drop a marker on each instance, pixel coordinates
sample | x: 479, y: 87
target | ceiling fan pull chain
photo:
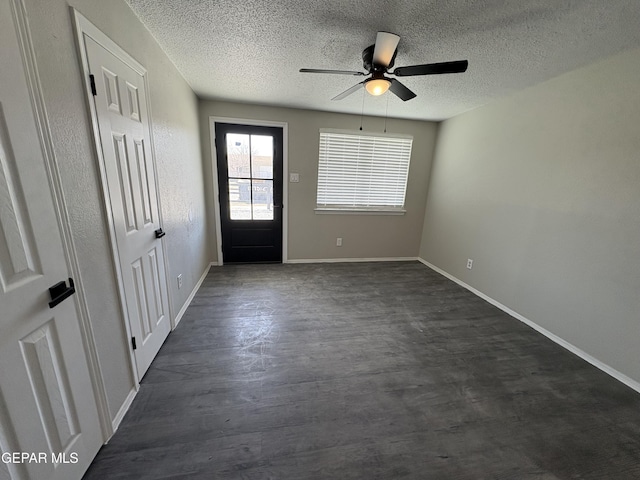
x: 362, y: 111
x: 386, y: 114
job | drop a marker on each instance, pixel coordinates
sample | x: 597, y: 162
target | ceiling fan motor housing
x: 367, y: 61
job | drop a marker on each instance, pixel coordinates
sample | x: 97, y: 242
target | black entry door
x: 250, y: 185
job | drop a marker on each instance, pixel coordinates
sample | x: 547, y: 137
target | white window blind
x: 362, y: 171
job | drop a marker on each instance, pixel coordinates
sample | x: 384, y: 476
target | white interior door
x: 47, y: 406
x: 129, y: 170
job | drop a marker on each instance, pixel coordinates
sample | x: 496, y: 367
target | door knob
x: 59, y: 292
x: 160, y: 233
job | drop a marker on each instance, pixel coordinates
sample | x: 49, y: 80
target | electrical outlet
x: 339, y: 242
x: 294, y: 177
x: 179, y: 281
x: 469, y: 263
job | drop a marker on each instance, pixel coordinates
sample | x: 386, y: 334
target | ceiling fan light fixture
x: 377, y: 86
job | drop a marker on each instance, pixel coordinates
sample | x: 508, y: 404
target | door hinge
x: 92, y: 81
x: 133, y: 342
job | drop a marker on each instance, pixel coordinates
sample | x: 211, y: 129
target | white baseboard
x: 551, y: 336
x: 352, y: 260
x: 191, y: 295
x: 115, y: 423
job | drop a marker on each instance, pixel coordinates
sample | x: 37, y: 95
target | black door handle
x: 59, y: 292
x: 160, y: 233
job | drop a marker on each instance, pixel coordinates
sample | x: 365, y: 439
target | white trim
x: 216, y: 191
x: 551, y: 336
x: 124, y: 408
x: 84, y: 28
x: 62, y: 215
x: 353, y: 260
x: 285, y: 176
x: 357, y: 211
x: 191, y: 295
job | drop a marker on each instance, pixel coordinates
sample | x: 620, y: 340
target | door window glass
x: 250, y: 178
x: 262, y: 156
x: 240, y: 199
x: 262, y: 199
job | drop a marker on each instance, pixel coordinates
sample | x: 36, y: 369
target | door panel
x: 129, y: 169
x: 19, y: 262
x: 145, y: 190
x: 47, y: 403
x: 50, y: 385
x: 249, y: 162
x: 124, y: 181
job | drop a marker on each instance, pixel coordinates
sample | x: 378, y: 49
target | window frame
x: 362, y: 209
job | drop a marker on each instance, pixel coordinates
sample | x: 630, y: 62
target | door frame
x: 83, y: 27
x: 285, y: 177
x: 34, y: 85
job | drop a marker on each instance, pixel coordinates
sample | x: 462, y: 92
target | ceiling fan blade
x: 386, y: 44
x: 338, y: 72
x: 432, y: 68
x: 348, y: 92
x: 400, y: 90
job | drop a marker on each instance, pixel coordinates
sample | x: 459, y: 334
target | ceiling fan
x: 378, y: 59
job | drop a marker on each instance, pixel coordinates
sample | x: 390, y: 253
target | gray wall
x: 177, y: 144
x: 313, y: 236
x: 542, y: 190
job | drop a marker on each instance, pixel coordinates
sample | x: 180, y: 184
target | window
x: 362, y: 172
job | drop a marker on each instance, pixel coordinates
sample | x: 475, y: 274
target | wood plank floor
x: 366, y: 371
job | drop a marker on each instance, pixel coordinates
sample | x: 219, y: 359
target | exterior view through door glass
x: 250, y: 184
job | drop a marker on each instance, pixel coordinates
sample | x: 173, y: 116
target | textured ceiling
x: 251, y: 50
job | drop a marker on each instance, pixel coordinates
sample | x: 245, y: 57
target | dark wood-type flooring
x: 366, y: 371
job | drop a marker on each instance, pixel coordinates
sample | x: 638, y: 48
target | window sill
x: 358, y: 211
